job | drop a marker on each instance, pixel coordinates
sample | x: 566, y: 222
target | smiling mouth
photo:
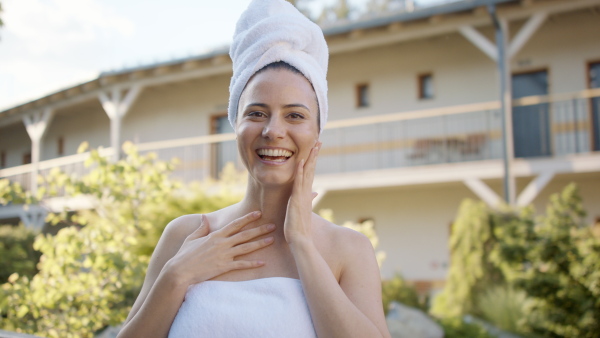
x: 274, y: 155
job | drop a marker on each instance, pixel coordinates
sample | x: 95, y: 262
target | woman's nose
x: 274, y: 128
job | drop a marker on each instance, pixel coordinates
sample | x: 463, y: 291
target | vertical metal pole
x: 506, y: 104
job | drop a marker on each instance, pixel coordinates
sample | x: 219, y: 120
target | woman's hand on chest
x: 205, y: 255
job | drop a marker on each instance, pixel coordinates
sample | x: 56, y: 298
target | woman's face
x: 276, y: 125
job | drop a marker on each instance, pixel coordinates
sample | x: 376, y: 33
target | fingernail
x: 256, y: 213
x: 271, y: 227
x: 268, y: 239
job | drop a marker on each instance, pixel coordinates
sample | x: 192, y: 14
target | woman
x: 266, y: 266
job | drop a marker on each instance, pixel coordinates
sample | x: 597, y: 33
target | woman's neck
x: 272, y: 202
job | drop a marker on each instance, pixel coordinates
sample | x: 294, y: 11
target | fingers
x: 305, y: 172
x: 202, y: 230
x: 239, y: 265
x: 311, y: 164
x: 245, y: 248
x: 246, y: 235
x: 238, y: 224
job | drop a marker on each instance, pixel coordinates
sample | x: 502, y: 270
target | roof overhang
x: 345, y: 36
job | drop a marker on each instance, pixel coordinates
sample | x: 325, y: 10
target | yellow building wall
x: 413, y: 222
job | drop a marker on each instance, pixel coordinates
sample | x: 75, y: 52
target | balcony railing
x: 544, y: 126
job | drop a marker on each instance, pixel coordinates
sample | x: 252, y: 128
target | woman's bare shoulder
x: 341, y: 237
x: 341, y: 245
x: 182, y: 226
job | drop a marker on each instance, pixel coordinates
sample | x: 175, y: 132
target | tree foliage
x: 16, y: 252
x: 91, y: 271
x: 471, y: 243
x: 554, y: 260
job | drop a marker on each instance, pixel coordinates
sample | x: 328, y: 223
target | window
x: 426, y: 86
x: 362, y: 95
x: 61, y: 146
x: 26, y: 158
x: 2, y: 159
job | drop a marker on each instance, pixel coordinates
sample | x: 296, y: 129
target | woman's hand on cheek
x: 205, y: 255
x: 298, y: 224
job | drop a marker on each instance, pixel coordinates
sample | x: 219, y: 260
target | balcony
x: 418, y: 146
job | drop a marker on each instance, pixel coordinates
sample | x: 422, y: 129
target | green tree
x: 471, y: 271
x: 91, y: 272
x: 16, y: 252
x: 554, y: 259
x: 562, y: 271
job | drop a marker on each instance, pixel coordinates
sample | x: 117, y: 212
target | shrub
x: 505, y: 307
x: 91, y: 272
x: 396, y: 289
x: 471, y: 270
x: 16, y: 252
x: 554, y: 259
x: 456, y: 327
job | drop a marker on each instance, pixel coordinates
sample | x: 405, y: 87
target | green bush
x: 456, y: 327
x: 91, y: 272
x: 471, y: 271
x: 397, y: 290
x: 553, y: 259
x: 16, y: 252
x: 505, y: 307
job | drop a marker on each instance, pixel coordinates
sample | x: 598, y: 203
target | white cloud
x: 47, y: 45
x: 51, y: 26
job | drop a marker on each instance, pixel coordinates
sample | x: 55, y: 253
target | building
x: 415, y: 119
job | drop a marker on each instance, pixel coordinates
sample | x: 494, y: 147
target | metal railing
x: 554, y: 125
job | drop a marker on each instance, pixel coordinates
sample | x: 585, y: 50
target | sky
x: 48, y: 45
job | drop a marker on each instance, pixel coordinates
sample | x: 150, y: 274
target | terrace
x: 448, y: 144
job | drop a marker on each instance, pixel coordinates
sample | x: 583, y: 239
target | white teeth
x: 274, y: 152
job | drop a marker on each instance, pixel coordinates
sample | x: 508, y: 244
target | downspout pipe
x: 505, y: 104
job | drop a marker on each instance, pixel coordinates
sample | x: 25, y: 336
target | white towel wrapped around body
x: 270, y: 31
x: 267, y: 307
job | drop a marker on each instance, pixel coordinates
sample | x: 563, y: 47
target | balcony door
x: 223, y: 152
x: 531, y: 124
x: 595, y: 83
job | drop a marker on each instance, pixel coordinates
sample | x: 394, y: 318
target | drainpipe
x: 506, y: 105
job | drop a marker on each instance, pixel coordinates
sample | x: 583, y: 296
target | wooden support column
x: 36, y: 125
x: 116, y: 108
x: 501, y: 53
x: 484, y: 192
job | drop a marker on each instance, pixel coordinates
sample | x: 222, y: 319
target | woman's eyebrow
x: 296, y: 105
x: 256, y: 104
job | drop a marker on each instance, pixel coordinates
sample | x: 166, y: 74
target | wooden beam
x: 356, y: 34
x: 480, y: 41
x: 534, y: 188
x: 395, y: 26
x: 525, y: 33
x: 484, y: 192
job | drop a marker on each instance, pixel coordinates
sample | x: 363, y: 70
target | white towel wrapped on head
x: 270, y: 31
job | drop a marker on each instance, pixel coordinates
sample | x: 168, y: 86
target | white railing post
x: 116, y: 109
x: 36, y: 125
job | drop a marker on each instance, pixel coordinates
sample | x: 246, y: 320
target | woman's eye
x: 296, y: 116
x: 256, y: 114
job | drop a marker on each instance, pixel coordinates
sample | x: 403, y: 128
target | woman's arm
x: 352, y: 307
x: 169, y: 273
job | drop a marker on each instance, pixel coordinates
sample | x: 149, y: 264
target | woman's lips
x: 274, y: 155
